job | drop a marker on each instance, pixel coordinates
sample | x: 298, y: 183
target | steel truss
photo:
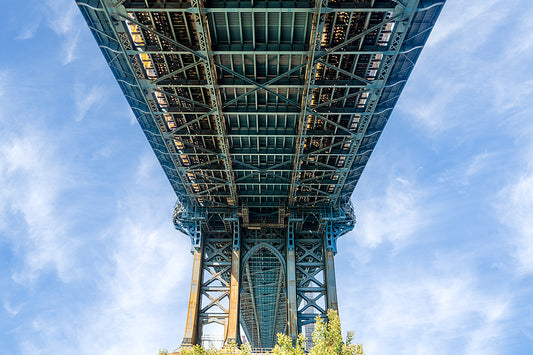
x: 263, y: 115
x: 268, y: 280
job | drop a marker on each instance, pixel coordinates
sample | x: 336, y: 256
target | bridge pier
x: 233, y: 326
x: 192, y: 336
x: 331, y: 286
x: 292, y: 311
x: 215, y: 286
x: 268, y: 280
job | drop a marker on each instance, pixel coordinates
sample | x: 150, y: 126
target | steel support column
x: 232, y: 328
x: 292, y: 311
x: 331, y: 286
x: 192, y: 335
x: 292, y: 305
x: 292, y: 317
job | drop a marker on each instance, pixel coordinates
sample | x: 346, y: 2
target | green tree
x: 198, y: 350
x: 327, y: 338
x: 284, y: 345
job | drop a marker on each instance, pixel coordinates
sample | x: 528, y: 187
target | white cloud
x: 515, y: 209
x: 30, y: 28
x: 141, y: 281
x: 426, y: 107
x: 393, y: 216
x: 33, y: 178
x: 69, y: 47
x: 464, y: 172
x: 467, y: 23
x: 470, y: 75
x: 9, y: 308
x: 409, y: 310
x: 63, y: 15
x: 87, y: 98
x: 64, y: 19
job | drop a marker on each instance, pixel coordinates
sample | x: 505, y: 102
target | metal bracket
x: 291, y: 229
x: 234, y: 219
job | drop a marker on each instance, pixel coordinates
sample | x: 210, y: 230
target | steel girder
x: 199, y: 74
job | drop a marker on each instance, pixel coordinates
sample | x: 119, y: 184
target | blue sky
x: 441, y: 261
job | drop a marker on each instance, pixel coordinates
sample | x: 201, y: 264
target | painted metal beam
x: 232, y: 330
x: 262, y: 7
x: 204, y: 39
x: 292, y: 306
x: 310, y: 75
x: 192, y: 324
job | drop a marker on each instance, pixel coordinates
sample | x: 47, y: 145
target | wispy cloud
x: 393, y: 216
x: 406, y: 310
x: 141, y: 281
x: 9, y: 308
x: 467, y: 23
x: 86, y: 98
x: 467, y: 170
x: 62, y: 19
x: 30, y: 28
x: 31, y: 180
x: 469, y: 77
x: 33, y: 177
x: 515, y: 209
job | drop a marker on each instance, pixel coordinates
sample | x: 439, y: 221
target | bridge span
x: 263, y: 115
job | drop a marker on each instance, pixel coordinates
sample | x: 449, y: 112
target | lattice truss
x: 310, y: 281
x: 241, y: 111
x: 264, y: 296
x: 216, y: 273
x: 263, y: 299
x: 264, y: 290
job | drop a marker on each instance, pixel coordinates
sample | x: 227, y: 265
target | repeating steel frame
x: 263, y: 115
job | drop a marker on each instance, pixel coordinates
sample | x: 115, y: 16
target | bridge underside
x: 263, y: 115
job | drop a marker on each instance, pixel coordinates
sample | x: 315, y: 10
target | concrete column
x: 331, y: 286
x: 292, y: 314
x: 232, y: 328
x: 192, y: 336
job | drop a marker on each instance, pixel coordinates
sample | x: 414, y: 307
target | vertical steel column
x: 292, y: 309
x: 330, y: 244
x: 232, y: 326
x: 331, y: 286
x: 192, y: 335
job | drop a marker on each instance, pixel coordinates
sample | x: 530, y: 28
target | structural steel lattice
x: 263, y: 115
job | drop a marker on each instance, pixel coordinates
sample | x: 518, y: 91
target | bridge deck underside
x: 258, y: 106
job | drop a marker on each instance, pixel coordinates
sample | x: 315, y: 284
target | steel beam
x: 331, y: 285
x: 270, y: 50
x: 292, y: 306
x: 262, y: 7
x: 204, y: 38
x: 232, y: 329
x: 192, y: 325
x: 403, y: 17
x: 310, y: 75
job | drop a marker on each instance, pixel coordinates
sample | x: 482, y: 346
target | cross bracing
x: 260, y: 113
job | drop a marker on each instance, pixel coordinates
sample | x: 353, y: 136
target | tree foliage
x: 284, y: 345
x: 327, y: 339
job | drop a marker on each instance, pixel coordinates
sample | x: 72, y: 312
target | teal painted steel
x: 263, y: 115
